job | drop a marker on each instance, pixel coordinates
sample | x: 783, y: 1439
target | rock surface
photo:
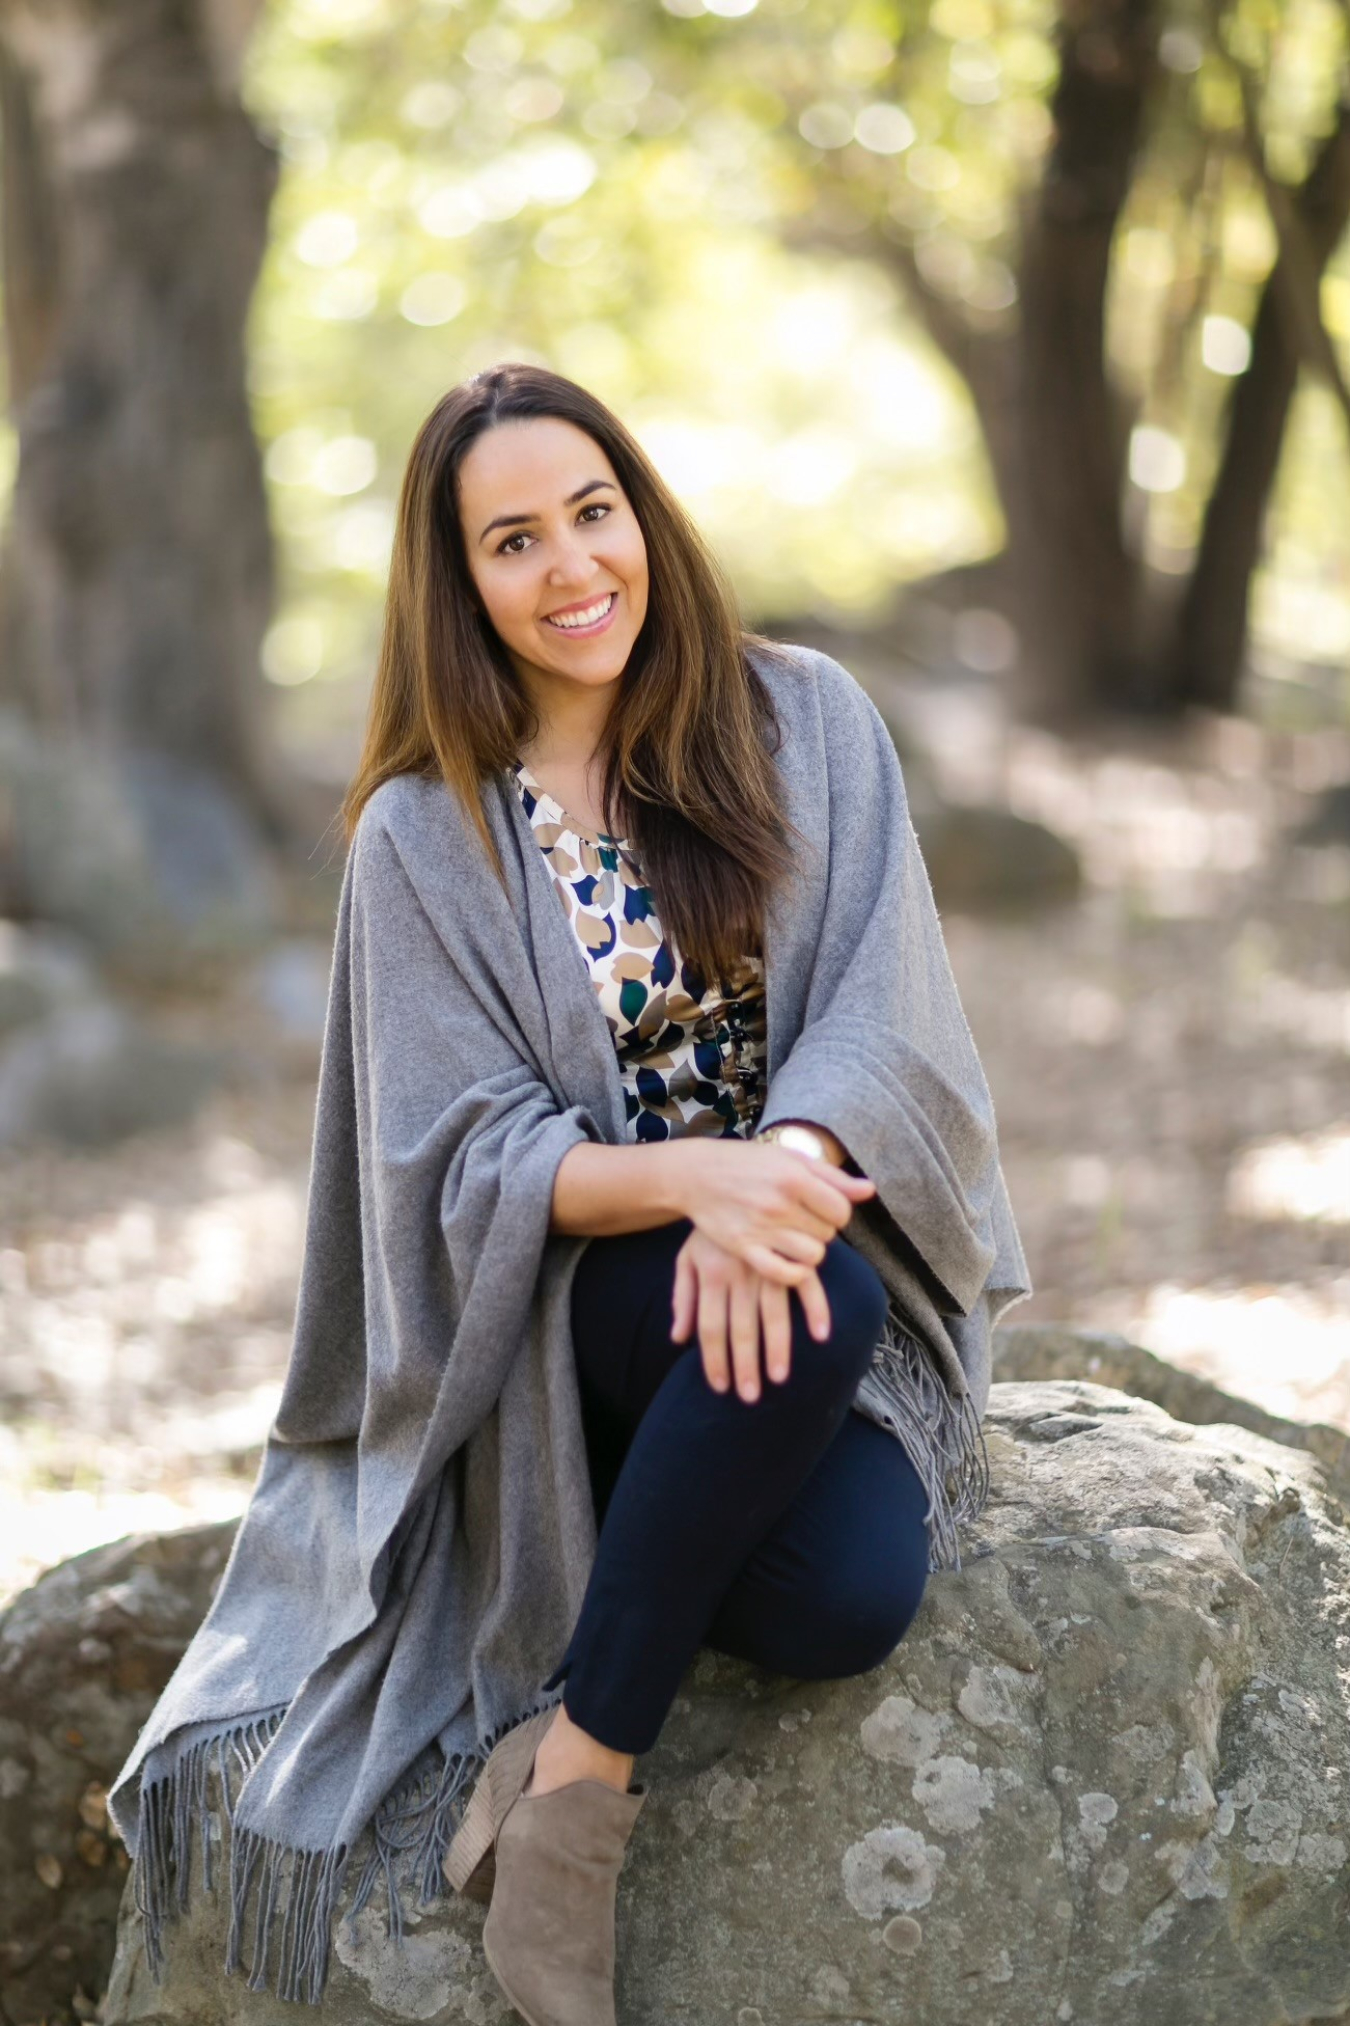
x: 152, y: 862
x: 992, y: 861
x: 1100, y: 1780
x: 1041, y: 1351
x: 75, y: 1066
x: 83, y: 1657
x: 982, y: 859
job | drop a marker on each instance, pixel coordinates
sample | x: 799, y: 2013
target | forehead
x: 534, y: 461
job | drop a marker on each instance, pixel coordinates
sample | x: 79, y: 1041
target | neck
x: 572, y: 718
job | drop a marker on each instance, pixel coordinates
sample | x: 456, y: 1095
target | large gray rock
x: 84, y: 1655
x: 992, y: 861
x: 75, y: 1066
x: 42, y: 971
x: 152, y: 862
x: 92, y: 1074
x: 1100, y: 1781
x: 1049, y: 1351
x: 291, y: 981
x: 981, y: 859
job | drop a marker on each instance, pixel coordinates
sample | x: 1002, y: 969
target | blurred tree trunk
x: 27, y: 238
x: 1098, y: 629
x: 1212, y: 625
x: 1054, y: 426
x: 137, y: 579
x: 1061, y: 466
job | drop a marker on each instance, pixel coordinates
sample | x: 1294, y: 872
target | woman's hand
x: 730, y: 1301
x: 773, y: 1209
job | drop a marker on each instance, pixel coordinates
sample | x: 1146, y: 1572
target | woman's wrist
x: 835, y: 1151
x: 603, y: 1191
x: 677, y: 1175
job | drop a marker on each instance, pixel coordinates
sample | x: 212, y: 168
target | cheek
x: 631, y: 559
x: 507, y: 598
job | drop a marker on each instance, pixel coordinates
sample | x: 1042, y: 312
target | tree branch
x: 1295, y: 215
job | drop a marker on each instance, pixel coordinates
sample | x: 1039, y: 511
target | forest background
x: 998, y: 346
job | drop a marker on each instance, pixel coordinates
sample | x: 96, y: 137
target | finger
x: 771, y: 1265
x: 744, y: 1312
x: 823, y: 1196
x: 843, y: 1178
x: 744, y: 1341
x: 681, y: 1307
x: 807, y: 1209
x: 776, y: 1317
x: 830, y: 1193
x: 826, y: 1198
x: 785, y: 1242
x: 813, y: 1299
x: 712, y: 1332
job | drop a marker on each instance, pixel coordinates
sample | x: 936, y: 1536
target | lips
x: 595, y: 626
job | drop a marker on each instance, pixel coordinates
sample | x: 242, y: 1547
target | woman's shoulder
x: 791, y: 671
x: 397, y: 810
x: 412, y: 821
x: 400, y: 800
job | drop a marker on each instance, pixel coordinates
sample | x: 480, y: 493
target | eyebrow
x: 517, y: 520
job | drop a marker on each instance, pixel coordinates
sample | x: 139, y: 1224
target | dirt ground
x: 1170, y: 1063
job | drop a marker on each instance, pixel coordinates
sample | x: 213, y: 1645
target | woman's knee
x: 858, y: 1625
x: 857, y: 1302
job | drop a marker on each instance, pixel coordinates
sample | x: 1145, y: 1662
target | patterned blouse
x: 692, y: 1060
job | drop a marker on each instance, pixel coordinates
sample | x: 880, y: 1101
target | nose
x: 573, y: 562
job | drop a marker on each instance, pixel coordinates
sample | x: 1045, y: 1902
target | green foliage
x: 704, y: 209
x: 702, y: 213
x: 605, y: 187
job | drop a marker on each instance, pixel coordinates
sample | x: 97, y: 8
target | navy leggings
x: 787, y: 1530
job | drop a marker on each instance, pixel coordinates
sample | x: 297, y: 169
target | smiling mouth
x: 593, y: 616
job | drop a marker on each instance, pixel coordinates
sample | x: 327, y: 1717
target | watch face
x: 803, y: 1140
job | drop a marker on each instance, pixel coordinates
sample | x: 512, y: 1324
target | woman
x: 550, y: 1393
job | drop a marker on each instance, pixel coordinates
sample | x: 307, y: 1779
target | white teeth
x: 589, y: 616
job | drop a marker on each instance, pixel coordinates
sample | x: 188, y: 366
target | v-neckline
x: 600, y: 838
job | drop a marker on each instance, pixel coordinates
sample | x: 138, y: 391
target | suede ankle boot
x: 549, y: 1934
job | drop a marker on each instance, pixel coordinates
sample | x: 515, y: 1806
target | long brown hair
x: 685, y: 750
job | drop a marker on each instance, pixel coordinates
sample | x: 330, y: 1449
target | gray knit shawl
x: 417, y: 1543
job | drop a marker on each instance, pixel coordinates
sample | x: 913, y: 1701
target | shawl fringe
x: 419, y: 1816
x: 942, y: 1437
x: 901, y: 1390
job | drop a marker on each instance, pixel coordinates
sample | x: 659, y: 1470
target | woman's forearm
x: 603, y: 1191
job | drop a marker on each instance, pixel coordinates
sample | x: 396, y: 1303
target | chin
x: 608, y: 657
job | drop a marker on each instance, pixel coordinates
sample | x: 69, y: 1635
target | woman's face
x: 550, y: 536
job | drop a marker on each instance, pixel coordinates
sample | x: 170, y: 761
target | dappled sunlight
x: 40, y: 1525
x: 1315, y: 1014
x: 146, y: 1331
x: 1302, y: 1178
x: 1286, y: 1348
x: 1168, y: 1058
x: 788, y: 247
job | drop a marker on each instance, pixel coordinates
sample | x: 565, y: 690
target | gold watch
x: 798, y: 1139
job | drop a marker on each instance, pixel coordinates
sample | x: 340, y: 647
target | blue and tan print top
x: 692, y: 1060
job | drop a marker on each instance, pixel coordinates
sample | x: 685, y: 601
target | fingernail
x: 750, y: 1393
x: 779, y: 1372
